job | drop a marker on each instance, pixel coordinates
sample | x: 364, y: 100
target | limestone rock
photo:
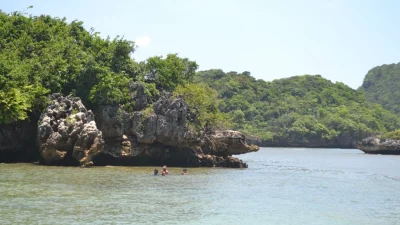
x: 153, y: 134
x: 126, y: 146
x: 158, y: 134
x: 67, y: 133
x: 375, y: 145
x: 141, y: 98
x: 227, y: 143
x: 18, y: 141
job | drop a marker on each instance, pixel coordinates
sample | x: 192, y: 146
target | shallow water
x: 281, y: 186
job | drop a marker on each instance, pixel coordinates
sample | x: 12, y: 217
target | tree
x: 170, y: 72
x: 300, y: 109
x: 113, y: 88
x: 381, y: 86
x: 16, y: 103
x: 42, y: 54
x: 203, y: 102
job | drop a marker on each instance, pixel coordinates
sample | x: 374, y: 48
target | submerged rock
x: 375, y: 145
x: 67, y: 133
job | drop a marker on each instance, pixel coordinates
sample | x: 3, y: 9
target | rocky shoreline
x: 340, y: 142
x: 70, y: 135
x: 375, y: 145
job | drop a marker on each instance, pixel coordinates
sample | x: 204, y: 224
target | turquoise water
x: 281, y: 186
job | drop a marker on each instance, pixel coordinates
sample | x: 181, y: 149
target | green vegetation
x: 148, y: 111
x: 395, y: 135
x: 381, y: 86
x: 169, y: 72
x: 298, y: 110
x: 203, y: 103
x: 14, y: 103
x: 40, y: 55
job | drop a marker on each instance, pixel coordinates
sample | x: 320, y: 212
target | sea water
x: 281, y: 186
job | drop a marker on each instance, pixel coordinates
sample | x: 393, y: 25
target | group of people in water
x: 164, y: 171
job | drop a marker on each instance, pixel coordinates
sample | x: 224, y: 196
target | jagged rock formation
x: 226, y: 143
x: 375, y: 145
x: 67, y: 133
x: 156, y: 134
x: 160, y: 134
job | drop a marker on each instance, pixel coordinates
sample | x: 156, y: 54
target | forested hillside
x: 381, y: 85
x: 298, y: 111
x: 40, y: 55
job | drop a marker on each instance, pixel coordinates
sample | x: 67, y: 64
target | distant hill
x: 382, y: 85
x: 40, y: 55
x: 306, y: 111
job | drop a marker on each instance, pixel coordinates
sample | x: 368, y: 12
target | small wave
x: 389, y: 177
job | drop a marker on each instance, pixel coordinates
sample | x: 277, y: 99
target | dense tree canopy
x: 41, y: 55
x: 169, y: 72
x: 203, y: 103
x: 300, y: 109
x: 382, y: 85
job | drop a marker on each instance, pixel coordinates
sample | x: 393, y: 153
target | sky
x: 338, y: 39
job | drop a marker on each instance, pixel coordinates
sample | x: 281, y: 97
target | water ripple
x: 281, y: 186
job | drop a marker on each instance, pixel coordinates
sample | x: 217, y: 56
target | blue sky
x: 339, y: 39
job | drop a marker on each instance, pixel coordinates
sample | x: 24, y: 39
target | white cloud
x: 142, y: 41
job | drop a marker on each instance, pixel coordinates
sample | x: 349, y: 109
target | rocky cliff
x: 152, y: 134
x: 161, y: 134
x: 18, y: 141
x: 375, y: 145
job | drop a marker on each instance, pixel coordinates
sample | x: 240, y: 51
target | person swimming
x: 164, y: 170
x: 184, y: 172
x: 155, y: 172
